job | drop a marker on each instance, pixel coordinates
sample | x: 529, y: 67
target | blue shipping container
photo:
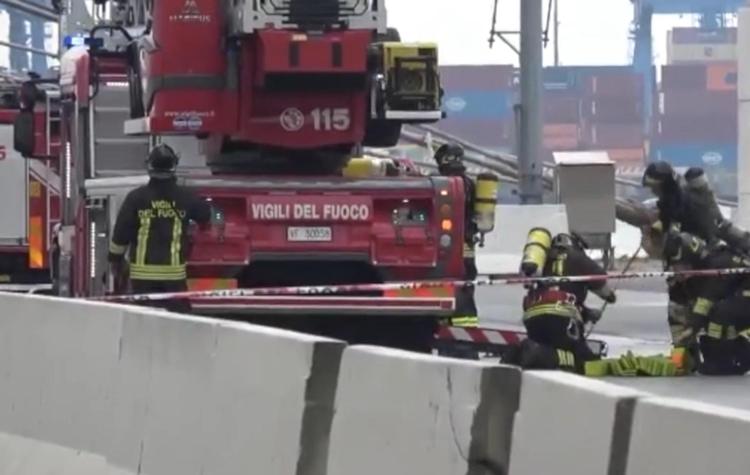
x: 572, y: 78
x: 706, y: 155
x: 485, y: 105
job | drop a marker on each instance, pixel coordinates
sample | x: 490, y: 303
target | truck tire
x: 137, y: 109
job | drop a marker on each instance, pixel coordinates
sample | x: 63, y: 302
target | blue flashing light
x: 71, y: 41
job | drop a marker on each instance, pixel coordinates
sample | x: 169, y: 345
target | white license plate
x: 309, y: 234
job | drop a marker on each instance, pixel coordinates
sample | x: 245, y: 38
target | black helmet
x: 658, y: 174
x: 450, y: 157
x: 162, y: 162
x: 565, y: 240
x: 695, y: 178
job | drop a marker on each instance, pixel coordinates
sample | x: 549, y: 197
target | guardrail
x: 502, y: 163
x: 98, y: 388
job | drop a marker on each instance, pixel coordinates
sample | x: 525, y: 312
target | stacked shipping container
x: 585, y: 108
x: 697, y: 109
x: 478, y: 102
x: 595, y: 108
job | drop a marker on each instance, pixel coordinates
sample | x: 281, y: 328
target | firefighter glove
x: 591, y: 315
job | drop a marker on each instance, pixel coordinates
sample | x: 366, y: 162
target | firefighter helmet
x: 572, y: 240
x: 450, y: 157
x: 658, y: 173
x: 162, y: 162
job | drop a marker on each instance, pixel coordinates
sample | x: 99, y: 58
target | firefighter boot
x: 512, y: 355
x: 742, y: 353
x: 719, y: 358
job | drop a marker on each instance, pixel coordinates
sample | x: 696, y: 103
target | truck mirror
x: 23, y: 133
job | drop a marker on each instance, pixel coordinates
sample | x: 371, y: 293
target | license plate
x: 309, y: 234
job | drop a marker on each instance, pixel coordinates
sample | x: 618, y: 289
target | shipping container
x: 700, y: 129
x: 630, y: 156
x: 560, y: 130
x: 561, y: 143
x: 478, y: 105
x: 618, y: 85
x: 558, y: 109
x: 612, y: 110
x: 573, y: 78
x: 721, y: 76
x: 704, y: 36
x: 715, y: 158
x: 683, y: 76
x: 680, y: 54
x: 608, y: 136
x: 684, y: 103
x: 494, y: 134
x: 477, y: 77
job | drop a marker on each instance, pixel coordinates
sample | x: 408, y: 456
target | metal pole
x: 531, y: 186
x: 25, y: 6
x: 557, y: 33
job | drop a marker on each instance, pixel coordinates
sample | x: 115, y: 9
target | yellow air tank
x: 535, y: 251
x: 366, y: 167
x: 485, y: 200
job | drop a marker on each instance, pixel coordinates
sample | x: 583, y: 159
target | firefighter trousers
x: 725, y: 348
x: 466, y: 309
x: 162, y: 286
x: 563, y: 341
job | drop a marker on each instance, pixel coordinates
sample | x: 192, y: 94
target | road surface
x: 636, y: 322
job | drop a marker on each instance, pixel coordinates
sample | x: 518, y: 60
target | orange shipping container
x: 721, y: 76
x: 561, y: 142
x: 560, y: 130
x: 629, y: 155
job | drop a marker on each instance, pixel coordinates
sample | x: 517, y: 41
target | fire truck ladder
x: 112, y: 152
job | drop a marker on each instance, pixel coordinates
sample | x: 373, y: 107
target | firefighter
x: 153, y: 224
x: 555, y: 315
x: 719, y: 306
x: 449, y: 158
x: 680, y: 211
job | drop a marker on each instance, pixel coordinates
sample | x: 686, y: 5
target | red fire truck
x: 30, y: 192
x: 267, y: 118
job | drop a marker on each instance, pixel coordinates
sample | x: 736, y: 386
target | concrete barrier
x: 405, y: 413
x: 152, y: 392
x: 23, y: 456
x: 571, y: 424
x: 689, y: 438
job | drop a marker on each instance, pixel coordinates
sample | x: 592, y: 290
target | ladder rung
x: 121, y: 141
x: 111, y: 109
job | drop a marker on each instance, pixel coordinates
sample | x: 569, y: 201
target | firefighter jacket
x: 691, y: 213
x: 564, y: 299
x: 711, y: 289
x: 152, y: 224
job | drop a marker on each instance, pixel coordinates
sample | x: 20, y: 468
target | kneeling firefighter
x: 687, y: 204
x: 555, y: 314
x: 720, y: 303
x: 479, y: 219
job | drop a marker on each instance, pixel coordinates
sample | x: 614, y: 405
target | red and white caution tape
x: 413, y: 285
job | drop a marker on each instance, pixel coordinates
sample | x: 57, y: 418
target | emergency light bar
x: 71, y: 41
